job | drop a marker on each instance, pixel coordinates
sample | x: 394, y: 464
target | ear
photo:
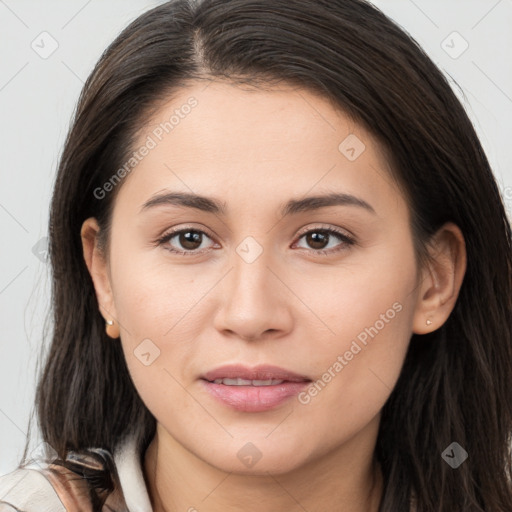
x: 441, y: 281
x: 98, y: 266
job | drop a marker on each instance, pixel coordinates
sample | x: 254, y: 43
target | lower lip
x: 254, y: 398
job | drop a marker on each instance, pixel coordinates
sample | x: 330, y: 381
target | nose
x: 254, y: 302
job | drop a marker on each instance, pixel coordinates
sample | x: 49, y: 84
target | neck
x: 347, y: 479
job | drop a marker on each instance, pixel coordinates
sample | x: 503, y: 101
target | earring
x: 429, y: 321
x: 111, y: 331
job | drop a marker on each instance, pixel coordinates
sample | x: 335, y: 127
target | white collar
x: 131, y: 477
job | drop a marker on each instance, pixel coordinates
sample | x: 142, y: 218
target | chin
x: 257, y: 458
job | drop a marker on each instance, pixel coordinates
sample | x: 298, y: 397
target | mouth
x: 263, y: 375
x: 246, y: 382
x: 253, y: 390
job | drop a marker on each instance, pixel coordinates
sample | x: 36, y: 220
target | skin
x: 292, y: 307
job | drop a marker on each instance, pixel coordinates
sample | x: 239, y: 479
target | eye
x: 319, y: 238
x: 190, y: 240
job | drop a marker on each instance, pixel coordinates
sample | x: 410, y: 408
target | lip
x: 253, y: 398
x: 261, y: 372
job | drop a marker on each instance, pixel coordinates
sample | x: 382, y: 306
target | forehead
x: 241, y: 144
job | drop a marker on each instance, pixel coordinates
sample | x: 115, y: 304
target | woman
x: 281, y: 275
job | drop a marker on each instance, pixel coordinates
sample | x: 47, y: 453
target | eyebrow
x: 211, y: 205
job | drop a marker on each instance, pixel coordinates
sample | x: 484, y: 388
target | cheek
x: 153, y: 296
x: 159, y: 307
x: 354, y: 378
x: 368, y: 314
x: 370, y: 291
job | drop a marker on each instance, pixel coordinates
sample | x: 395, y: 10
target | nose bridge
x: 251, y: 277
x: 250, y: 303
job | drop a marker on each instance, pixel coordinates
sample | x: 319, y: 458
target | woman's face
x: 250, y: 286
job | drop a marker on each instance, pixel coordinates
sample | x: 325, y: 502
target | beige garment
x: 43, y: 487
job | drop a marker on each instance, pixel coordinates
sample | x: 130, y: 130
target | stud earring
x: 429, y: 321
x: 111, y: 331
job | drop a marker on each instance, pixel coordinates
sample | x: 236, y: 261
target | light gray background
x: 37, y: 98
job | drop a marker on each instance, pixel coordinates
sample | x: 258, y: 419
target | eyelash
x: 347, y: 240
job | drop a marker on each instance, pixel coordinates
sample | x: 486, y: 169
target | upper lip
x: 262, y: 372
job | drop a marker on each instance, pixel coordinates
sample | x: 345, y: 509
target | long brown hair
x: 456, y: 382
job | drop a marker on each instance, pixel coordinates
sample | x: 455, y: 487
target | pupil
x: 317, y: 238
x: 189, y: 239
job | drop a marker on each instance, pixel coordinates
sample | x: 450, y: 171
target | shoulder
x: 88, y: 480
x: 44, y: 488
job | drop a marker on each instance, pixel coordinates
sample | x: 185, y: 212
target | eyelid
x: 326, y: 227
x: 185, y: 227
